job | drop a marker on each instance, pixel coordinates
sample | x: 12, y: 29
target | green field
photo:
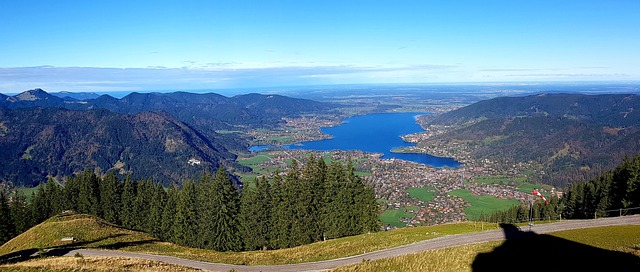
x: 281, y: 139
x: 528, y: 187
x: 394, y: 217
x: 523, y: 186
x: 482, y: 204
x: 255, y: 160
x: 224, y: 131
x: 28, y: 191
x: 424, y: 194
x: 257, y: 170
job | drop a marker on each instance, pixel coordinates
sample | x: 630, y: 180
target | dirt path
x: 437, y: 243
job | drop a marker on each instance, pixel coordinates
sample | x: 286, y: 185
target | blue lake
x: 378, y: 133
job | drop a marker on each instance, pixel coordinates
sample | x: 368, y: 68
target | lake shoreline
x: 372, y: 133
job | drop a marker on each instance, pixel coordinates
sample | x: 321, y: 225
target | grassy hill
x: 617, y: 242
x: 90, y: 231
x: 615, y: 248
x: 94, y: 232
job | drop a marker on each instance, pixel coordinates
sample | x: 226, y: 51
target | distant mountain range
x: 166, y: 136
x: 573, y: 136
x: 76, y: 96
x: 249, y: 110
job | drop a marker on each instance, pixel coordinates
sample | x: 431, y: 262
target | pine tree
x: 7, y: 229
x: 144, y: 193
x: 368, y: 209
x: 20, y: 211
x: 339, y: 197
x: 54, y: 197
x: 299, y: 199
x: 569, y: 201
x: 619, y: 179
x: 156, y: 209
x: 632, y: 198
x: 207, y: 206
x: 70, y: 194
x: 311, y: 197
x: 89, y: 193
x: 263, y: 213
x: 168, y: 214
x: 127, y: 215
x: 226, y: 208
x: 110, y: 198
x: 255, y: 215
x: 40, y: 207
x: 185, y: 226
x: 281, y: 214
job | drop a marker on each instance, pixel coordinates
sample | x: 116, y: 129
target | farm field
x: 424, y: 194
x: 393, y: 217
x: 482, y: 204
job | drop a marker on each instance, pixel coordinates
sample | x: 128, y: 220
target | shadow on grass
x: 528, y: 251
x: 61, y: 250
x: 120, y: 245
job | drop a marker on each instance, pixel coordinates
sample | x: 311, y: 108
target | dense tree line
x: 525, y: 212
x: 617, y: 189
x: 302, y: 206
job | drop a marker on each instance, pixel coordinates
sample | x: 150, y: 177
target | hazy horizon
x: 422, y: 89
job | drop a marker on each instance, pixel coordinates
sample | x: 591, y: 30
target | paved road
x: 437, y: 243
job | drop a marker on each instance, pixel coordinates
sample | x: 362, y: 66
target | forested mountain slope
x: 618, y: 188
x: 207, y: 113
x: 570, y: 136
x: 606, y: 109
x: 142, y: 134
x: 40, y: 142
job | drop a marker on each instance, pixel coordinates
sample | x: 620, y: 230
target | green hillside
x: 568, y: 136
x: 614, y: 248
x: 93, y: 232
x: 90, y: 231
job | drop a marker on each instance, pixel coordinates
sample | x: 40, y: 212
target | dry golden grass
x: 448, y: 259
x: 326, y: 250
x: 102, y: 264
x: 94, y: 232
x: 97, y: 233
x: 618, y: 238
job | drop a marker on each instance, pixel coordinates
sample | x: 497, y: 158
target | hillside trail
x: 432, y: 244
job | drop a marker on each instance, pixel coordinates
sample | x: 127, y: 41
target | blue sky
x: 165, y: 45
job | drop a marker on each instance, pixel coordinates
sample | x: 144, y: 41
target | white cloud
x: 215, y: 75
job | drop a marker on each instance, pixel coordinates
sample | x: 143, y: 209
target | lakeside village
x: 392, y: 178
